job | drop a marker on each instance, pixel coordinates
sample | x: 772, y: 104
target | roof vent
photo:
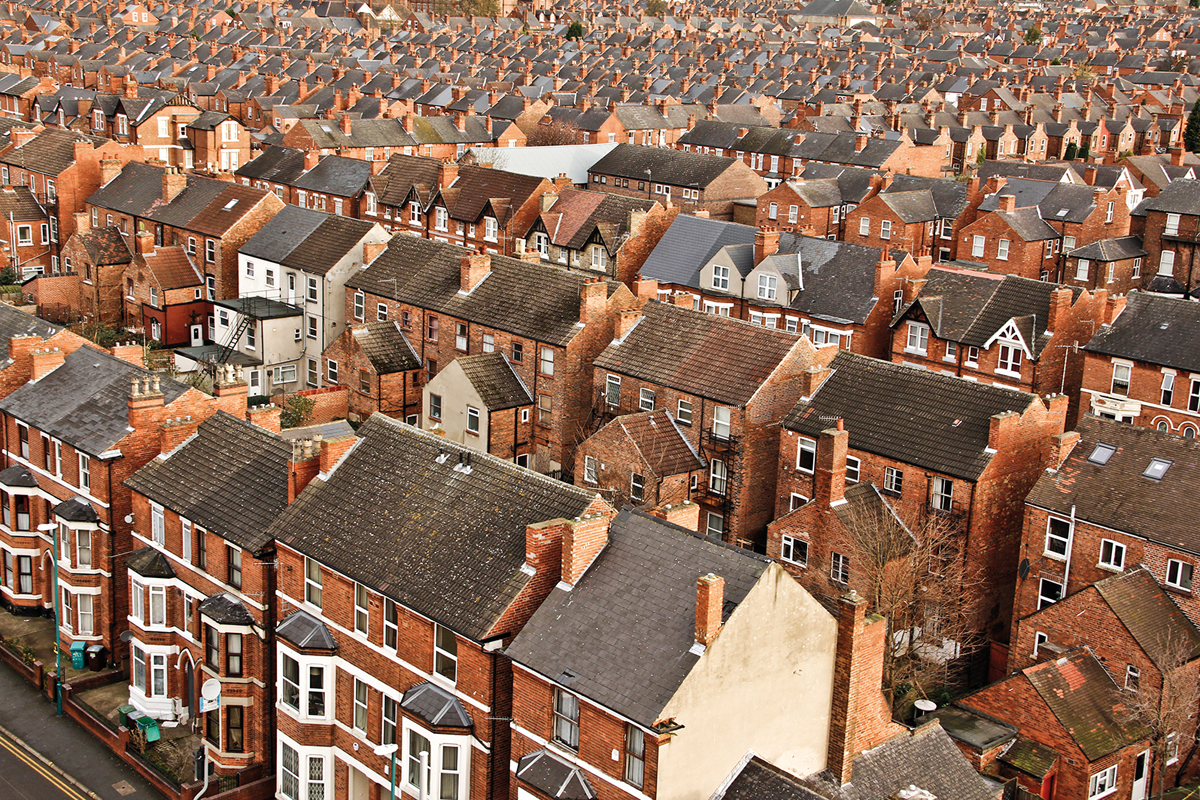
x: 442, y: 456
x: 1102, y: 454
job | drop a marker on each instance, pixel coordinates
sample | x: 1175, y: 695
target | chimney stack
x: 473, y: 269
x: 45, y: 361
x: 582, y: 541
x: 710, y: 600
x: 829, y: 488
x: 593, y: 297
x: 625, y: 322
x: 174, y: 181
x: 1008, y: 203
x: 766, y: 243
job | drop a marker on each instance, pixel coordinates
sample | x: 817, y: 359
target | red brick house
x: 1138, y: 367
x: 210, y: 218
x: 920, y: 216
x: 1074, y: 535
x: 484, y: 209
x: 1132, y: 625
x: 690, y: 180
x: 398, y: 196
x: 640, y: 459
x: 28, y: 232
x: 709, y: 622
x: 452, y: 302
x: 98, y: 258
x: 971, y: 447
x: 1115, y: 265
x: 726, y: 401
x: 1071, y: 713
x: 376, y: 653
x: 383, y: 372
x: 200, y: 581
x: 164, y: 294
x: 62, y: 168
x: 1168, y: 224
x: 999, y: 329
x: 480, y: 402
x: 71, y: 474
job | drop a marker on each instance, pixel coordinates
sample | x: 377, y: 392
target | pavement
x: 36, y: 745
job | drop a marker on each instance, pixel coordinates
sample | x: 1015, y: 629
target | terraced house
x: 451, y: 302
x: 377, y: 649
x: 201, y: 581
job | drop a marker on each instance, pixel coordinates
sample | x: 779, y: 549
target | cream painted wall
x: 765, y: 684
x: 457, y: 393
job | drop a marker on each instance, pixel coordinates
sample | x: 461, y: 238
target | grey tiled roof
x: 306, y: 632
x: 1117, y: 495
x: 150, y: 562
x: 928, y: 759
x: 707, y: 355
x: 386, y: 346
x: 759, y: 779
x: 839, y: 277
x: 1114, y: 249
x: 225, y: 608
x: 666, y: 166
x: 85, y: 402
x: 436, y: 706
x: 230, y: 478
x: 447, y: 544
x: 499, y: 387
x: 621, y: 636
x: 426, y: 274
x: 323, y: 248
x: 915, y: 416
x: 283, y: 233
x: 18, y: 475
x: 14, y: 322
x: 1153, y: 329
x: 690, y: 243
x: 554, y: 777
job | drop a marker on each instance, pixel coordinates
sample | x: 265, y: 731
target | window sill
x: 1110, y: 568
x: 915, y: 352
x: 1008, y: 373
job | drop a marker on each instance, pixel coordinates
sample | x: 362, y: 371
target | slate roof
x: 557, y: 778
x: 657, y: 437
x: 1116, y: 249
x: 276, y: 164
x: 1150, y: 615
x: 1117, y: 495
x: 476, y: 187
x: 402, y: 173
x: 838, y: 278
x: 711, y: 356
x: 759, y: 779
x: 1084, y: 699
x: 77, y: 509
x: 445, y: 543
x: 306, y: 632
x: 386, y: 346
x: 19, y: 203
x: 1155, y: 329
x: 576, y: 214
x: 85, y: 401
x: 1177, y: 197
x: 336, y: 175
x: 18, y: 475
x: 688, y: 244
x: 498, y: 385
x: 282, y: 233
x: 14, y: 322
x: 226, y: 609
x: 914, y: 416
x: 427, y: 274
x: 634, y: 606
x: 321, y: 250
x: 673, y: 167
x: 928, y: 759
x: 51, y: 151
x: 230, y: 478
x: 150, y: 562
x: 436, y: 706
x: 105, y: 246
x: 969, y: 307
x: 1030, y: 757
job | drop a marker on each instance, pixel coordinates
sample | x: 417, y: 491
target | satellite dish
x: 211, y: 690
x: 129, y: 519
x: 925, y: 706
x: 1023, y: 569
x: 126, y: 636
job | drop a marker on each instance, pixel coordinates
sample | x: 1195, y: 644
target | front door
x: 189, y: 680
x: 1141, y: 774
x: 197, y: 335
x: 291, y: 280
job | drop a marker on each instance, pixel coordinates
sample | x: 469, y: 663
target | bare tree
x: 552, y: 132
x: 914, y: 574
x: 1167, y: 709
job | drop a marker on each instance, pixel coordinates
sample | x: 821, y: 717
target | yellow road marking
x: 35, y: 765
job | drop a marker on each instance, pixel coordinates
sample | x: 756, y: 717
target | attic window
x: 1157, y: 468
x: 1062, y: 212
x: 229, y: 206
x: 1102, y: 453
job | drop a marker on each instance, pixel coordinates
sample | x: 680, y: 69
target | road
x: 24, y: 776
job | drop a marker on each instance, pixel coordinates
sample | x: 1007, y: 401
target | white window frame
x: 806, y: 455
x: 917, y: 340
x: 791, y: 552
x: 977, y: 246
x: 720, y: 277
x: 1052, y: 536
x: 1103, y: 783
x: 1112, y: 554
x: 864, y: 226
x: 1044, y: 599
x: 721, y: 423
x: 1179, y: 574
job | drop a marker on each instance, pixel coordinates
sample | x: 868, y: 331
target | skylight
x: 1157, y: 468
x: 230, y: 204
x: 1102, y: 453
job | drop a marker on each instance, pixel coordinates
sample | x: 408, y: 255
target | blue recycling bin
x: 78, y: 652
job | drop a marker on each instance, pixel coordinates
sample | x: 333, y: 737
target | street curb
x: 61, y: 773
